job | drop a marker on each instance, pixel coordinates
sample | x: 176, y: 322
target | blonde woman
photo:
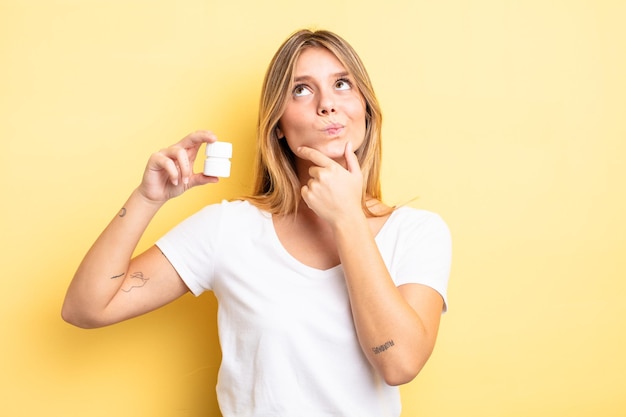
x: 328, y: 299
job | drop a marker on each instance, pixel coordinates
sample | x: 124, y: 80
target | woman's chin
x: 334, y: 150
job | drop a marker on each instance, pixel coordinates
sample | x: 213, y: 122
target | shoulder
x: 226, y: 215
x: 413, y: 229
x: 231, y: 218
x: 409, y: 230
x: 412, y: 219
x: 228, y: 209
x: 241, y: 211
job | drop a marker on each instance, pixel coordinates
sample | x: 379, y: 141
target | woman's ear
x: 279, y: 133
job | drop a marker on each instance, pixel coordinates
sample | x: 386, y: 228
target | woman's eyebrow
x: 301, y: 78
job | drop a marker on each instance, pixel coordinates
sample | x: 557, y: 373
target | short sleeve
x: 191, y: 248
x: 421, y: 250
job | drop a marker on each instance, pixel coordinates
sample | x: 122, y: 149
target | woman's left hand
x: 332, y: 192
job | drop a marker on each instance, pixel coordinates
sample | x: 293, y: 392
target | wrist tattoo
x: 137, y: 280
x: 117, y: 276
x: 382, y: 348
x: 122, y: 212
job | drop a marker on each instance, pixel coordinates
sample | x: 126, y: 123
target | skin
x: 396, y: 326
x: 325, y: 111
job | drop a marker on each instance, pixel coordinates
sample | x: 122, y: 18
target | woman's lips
x: 333, y: 129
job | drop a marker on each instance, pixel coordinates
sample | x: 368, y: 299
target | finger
x: 181, y: 160
x: 183, y: 164
x: 315, y: 171
x: 160, y: 161
x: 352, y: 162
x: 197, y: 138
x: 314, y: 156
x: 304, y: 192
x: 201, y: 179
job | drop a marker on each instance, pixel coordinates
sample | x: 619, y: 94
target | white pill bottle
x: 217, y: 162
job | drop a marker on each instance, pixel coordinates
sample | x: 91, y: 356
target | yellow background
x: 506, y: 117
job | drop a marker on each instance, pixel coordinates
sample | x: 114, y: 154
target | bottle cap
x: 219, y: 149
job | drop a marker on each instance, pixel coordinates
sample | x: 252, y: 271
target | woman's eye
x: 343, y: 84
x: 301, y: 90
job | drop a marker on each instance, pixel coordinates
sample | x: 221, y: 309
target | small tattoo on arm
x: 137, y: 280
x: 382, y: 348
x: 122, y: 212
x: 120, y: 275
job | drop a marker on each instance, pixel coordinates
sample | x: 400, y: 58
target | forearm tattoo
x: 137, y: 280
x: 117, y: 276
x: 382, y: 348
x: 122, y: 212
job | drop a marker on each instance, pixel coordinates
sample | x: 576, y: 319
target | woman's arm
x: 396, y: 326
x: 109, y: 286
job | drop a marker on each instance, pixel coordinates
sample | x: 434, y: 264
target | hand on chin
x: 333, y: 150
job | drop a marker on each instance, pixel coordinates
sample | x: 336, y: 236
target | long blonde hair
x: 276, y: 186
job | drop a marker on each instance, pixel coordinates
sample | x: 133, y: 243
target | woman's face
x: 325, y: 109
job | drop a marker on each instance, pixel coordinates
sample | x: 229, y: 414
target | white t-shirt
x: 289, y: 346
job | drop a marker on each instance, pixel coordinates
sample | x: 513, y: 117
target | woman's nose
x: 326, y: 105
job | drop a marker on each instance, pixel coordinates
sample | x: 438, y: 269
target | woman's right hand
x: 99, y: 293
x: 169, y: 172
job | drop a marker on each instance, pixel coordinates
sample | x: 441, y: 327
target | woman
x: 328, y: 299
